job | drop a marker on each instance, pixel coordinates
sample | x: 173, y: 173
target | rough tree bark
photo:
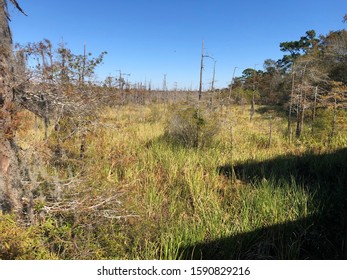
x: 11, y: 191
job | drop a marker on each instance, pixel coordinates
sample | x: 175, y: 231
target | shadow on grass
x: 320, y: 236
x: 277, y: 111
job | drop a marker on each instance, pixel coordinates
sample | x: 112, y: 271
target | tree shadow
x: 272, y: 110
x: 322, y: 235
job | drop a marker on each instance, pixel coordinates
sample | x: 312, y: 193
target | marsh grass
x: 178, y: 202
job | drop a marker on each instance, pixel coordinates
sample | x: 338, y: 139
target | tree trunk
x: 299, y: 116
x: 314, y: 110
x: 84, y: 66
x: 333, y: 123
x: 201, y: 70
x: 232, y: 170
x: 302, y: 115
x: 291, y: 106
x: 10, y: 184
x: 252, y: 108
x: 270, y: 132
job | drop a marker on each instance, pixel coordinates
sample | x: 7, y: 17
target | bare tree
x: 252, y: 111
x: 201, y: 69
x: 337, y: 99
x: 291, y: 105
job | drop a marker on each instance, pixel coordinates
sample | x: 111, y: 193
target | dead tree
x: 337, y: 99
x: 45, y: 100
x: 201, y: 70
x: 12, y: 197
x: 252, y: 111
x: 291, y: 106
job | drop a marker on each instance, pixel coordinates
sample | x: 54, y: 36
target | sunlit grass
x: 173, y: 197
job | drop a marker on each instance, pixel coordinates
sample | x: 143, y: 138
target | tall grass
x: 177, y: 202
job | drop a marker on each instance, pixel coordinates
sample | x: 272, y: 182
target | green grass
x: 175, y: 202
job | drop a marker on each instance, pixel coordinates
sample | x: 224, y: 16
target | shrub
x: 191, y: 128
x: 18, y: 243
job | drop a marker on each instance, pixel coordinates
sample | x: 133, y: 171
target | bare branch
x: 15, y: 3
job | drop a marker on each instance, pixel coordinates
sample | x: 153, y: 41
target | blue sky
x: 151, y: 38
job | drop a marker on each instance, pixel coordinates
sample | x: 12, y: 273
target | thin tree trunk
x: 199, y: 98
x: 63, y: 72
x: 302, y: 119
x: 232, y: 170
x: 252, y: 108
x: 83, y: 64
x: 270, y: 132
x: 44, y: 65
x: 212, y: 86
x: 201, y: 69
x: 314, y: 110
x: 291, y: 107
x: 333, y: 123
x: 298, y: 117
x: 51, y: 76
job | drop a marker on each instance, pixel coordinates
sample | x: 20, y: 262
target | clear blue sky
x: 155, y: 37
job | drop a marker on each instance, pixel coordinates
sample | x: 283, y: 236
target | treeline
x: 309, y: 82
x: 309, y: 62
x: 313, y: 67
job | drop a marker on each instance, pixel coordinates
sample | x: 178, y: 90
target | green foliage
x: 297, y: 48
x: 309, y: 62
x: 83, y: 66
x: 180, y: 203
x: 191, y: 127
x: 66, y: 68
x: 244, y: 96
x: 17, y: 243
x: 322, y: 125
x: 260, y: 141
x: 130, y: 195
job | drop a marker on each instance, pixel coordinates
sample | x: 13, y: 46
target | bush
x: 19, y: 243
x: 191, y: 128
